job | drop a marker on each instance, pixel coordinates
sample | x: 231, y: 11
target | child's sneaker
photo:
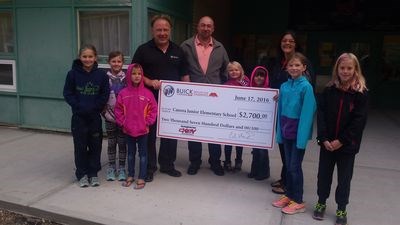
x: 84, y: 182
x: 341, y: 217
x: 110, y: 174
x: 294, y: 208
x: 281, y: 202
x: 319, y: 211
x: 94, y: 181
x: 121, y: 174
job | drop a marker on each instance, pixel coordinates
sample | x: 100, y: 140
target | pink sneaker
x: 281, y: 202
x: 293, y: 208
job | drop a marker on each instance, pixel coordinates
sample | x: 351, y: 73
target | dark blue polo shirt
x: 159, y: 65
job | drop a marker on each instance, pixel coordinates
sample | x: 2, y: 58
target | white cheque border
x: 219, y: 114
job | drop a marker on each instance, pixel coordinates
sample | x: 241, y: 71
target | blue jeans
x: 141, y: 141
x: 294, y: 172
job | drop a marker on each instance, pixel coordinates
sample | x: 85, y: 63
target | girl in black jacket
x: 341, y: 118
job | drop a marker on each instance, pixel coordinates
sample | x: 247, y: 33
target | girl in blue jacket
x: 296, y: 109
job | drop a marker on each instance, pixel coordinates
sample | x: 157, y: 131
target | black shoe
x: 341, y: 217
x: 218, y: 170
x: 238, y: 165
x: 192, y: 170
x: 261, y: 177
x: 228, y: 166
x: 319, y: 211
x: 251, y: 175
x: 149, y: 177
x: 172, y: 172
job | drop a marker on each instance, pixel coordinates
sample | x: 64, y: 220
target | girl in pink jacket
x: 135, y: 110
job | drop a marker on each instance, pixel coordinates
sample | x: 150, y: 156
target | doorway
x: 325, y: 48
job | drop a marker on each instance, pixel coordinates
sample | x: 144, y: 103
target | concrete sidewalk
x: 37, y: 177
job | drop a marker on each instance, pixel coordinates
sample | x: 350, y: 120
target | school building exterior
x: 40, y: 38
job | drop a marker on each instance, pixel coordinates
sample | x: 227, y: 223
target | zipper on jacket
x: 339, y: 115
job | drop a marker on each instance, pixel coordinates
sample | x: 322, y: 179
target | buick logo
x: 168, y: 91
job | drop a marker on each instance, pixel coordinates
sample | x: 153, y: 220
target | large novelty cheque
x: 221, y: 114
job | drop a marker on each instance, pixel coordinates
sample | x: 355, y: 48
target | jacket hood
x: 253, y: 73
x: 77, y: 65
x: 128, y: 76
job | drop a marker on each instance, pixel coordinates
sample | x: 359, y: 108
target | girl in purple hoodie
x: 135, y: 110
x: 115, y: 136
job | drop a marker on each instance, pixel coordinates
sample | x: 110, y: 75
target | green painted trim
x: 43, y: 6
x: 168, y: 11
x: 19, y: 116
x: 64, y: 5
x: 94, y: 9
x: 102, y: 5
x: 74, y: 34
x: 139, y: 23
x: 29, y: 95
x: 7, y: 56
x: 102, y: 2
x: 61, y: 130
x: 9, y: 93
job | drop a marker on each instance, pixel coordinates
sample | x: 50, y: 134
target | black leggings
x: 88, y: 136
x: 345, y: 166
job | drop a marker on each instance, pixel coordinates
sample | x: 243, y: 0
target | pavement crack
x: 48, y: 194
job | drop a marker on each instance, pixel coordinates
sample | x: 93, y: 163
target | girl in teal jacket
x: 296, y: 109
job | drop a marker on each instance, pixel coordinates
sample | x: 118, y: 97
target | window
x: 7, y: 75
x: 106, y: 30
x: 6, y: 32
x: 326, y: 53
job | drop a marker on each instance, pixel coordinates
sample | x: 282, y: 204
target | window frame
x: 102, y: 59
x: 13, y: 87
x: 13, y: 42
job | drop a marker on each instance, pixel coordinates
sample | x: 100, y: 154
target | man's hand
x: 276, y: 98
x: 156, y: 84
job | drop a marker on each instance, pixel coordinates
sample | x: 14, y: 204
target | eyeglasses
x: 291, y: 41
